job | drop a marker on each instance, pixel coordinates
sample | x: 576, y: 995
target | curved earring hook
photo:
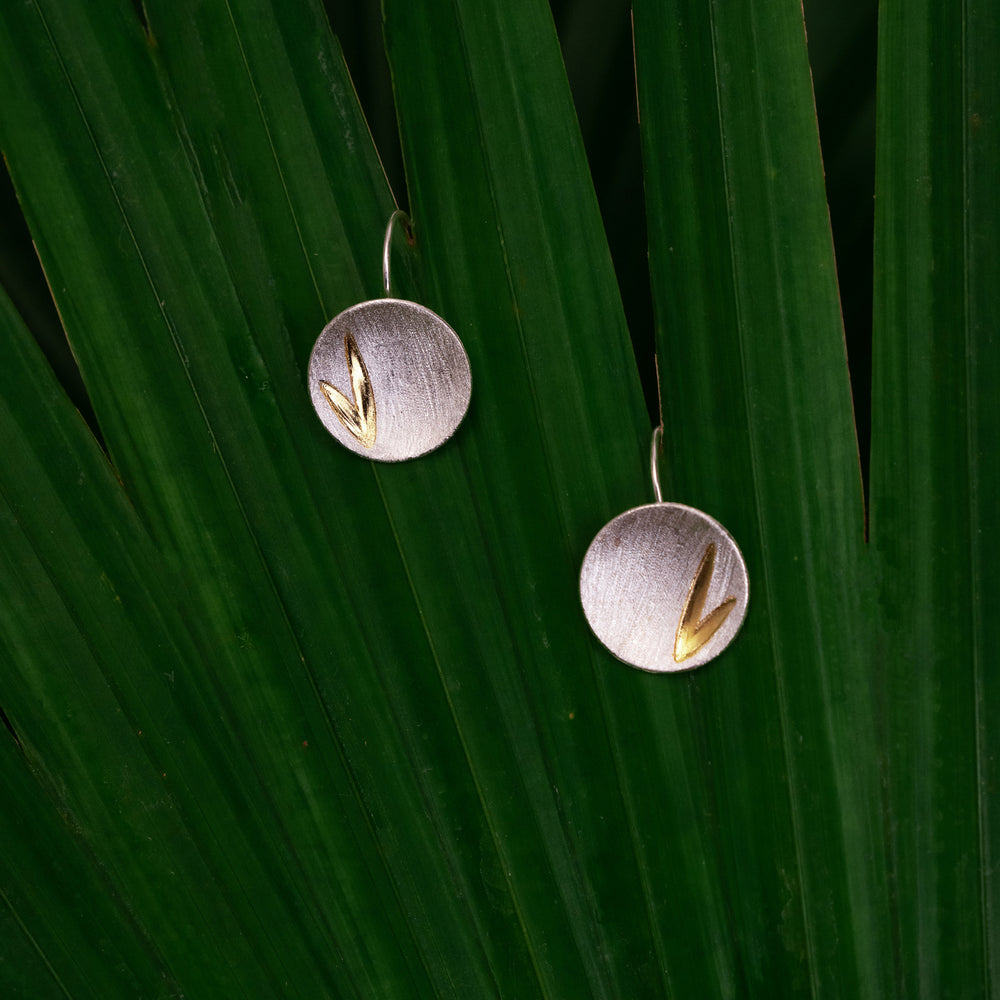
x: 653, y: 469
x: 399, y: 214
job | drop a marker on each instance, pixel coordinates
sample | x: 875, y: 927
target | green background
x: 284, y: 723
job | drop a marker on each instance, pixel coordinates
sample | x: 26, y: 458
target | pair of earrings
x: 663, y: 586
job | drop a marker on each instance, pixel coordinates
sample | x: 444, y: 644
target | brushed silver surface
x: 640, y: 571
x: 419, y: 375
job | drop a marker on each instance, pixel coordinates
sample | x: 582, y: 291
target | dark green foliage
x: 282, y: 723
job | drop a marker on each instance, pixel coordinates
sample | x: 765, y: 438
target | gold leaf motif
x: 357, y: 416
x: 694, y: 630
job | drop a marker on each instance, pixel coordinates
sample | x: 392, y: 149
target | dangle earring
x: 664, y: 586
x: 389, y: 378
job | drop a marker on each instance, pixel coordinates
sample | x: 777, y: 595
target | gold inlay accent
x: 357, y: 416
x: 694, y: 631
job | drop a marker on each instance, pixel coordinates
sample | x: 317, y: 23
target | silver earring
x: 664, y: 586
x: 389, y: 378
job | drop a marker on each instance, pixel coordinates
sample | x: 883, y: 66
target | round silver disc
x: 664, y: 587
x: 389, y: 379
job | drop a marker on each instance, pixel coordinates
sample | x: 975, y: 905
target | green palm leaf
x: 934, y: 469
x: 283, y: 722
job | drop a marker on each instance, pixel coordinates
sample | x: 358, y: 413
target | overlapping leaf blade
x: 758, y: 412
x: 304, y: 726
x: 307, y: 568
x: 273, y: 737
x: 88, y: 618
x: 934, y: 480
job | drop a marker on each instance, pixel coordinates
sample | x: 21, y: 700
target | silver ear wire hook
x: 654, y: 471
x: 387, y: 244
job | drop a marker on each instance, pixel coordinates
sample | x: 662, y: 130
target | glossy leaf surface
x: 284, y: 722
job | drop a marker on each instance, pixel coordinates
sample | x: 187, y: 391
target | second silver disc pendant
x: 664, y: 586
x: 389, y: 379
